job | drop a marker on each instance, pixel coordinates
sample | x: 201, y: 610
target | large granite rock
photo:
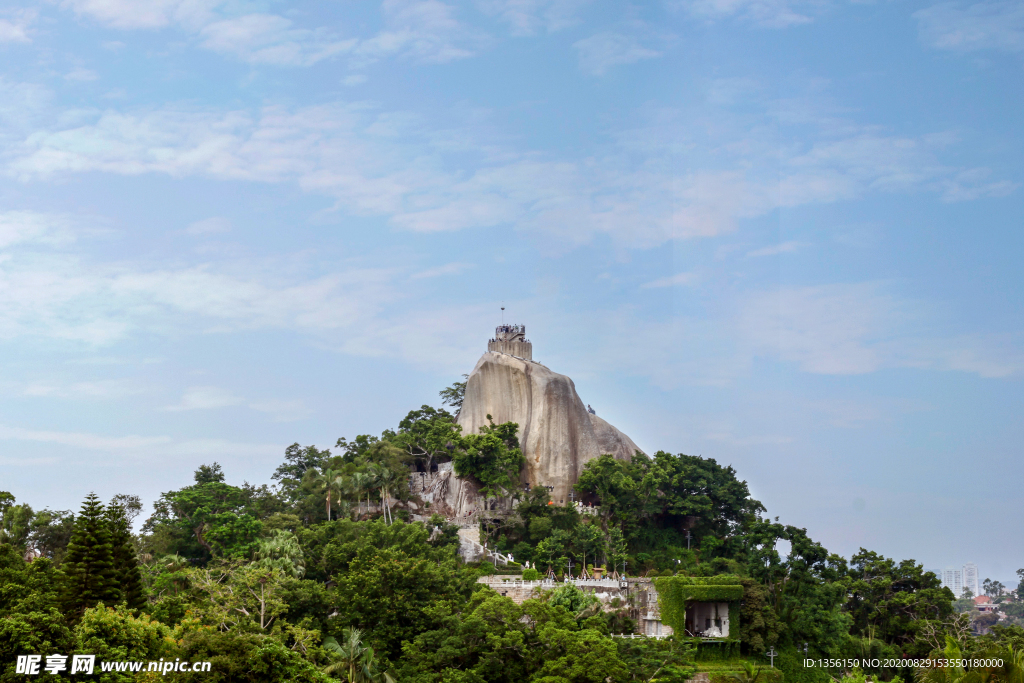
x: 557, y: 433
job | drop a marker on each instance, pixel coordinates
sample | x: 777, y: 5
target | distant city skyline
x: 969, y: 576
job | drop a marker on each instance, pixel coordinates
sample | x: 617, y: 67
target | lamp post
x: 570, y: 569
x: 688, y: 537
x: 772, y: 654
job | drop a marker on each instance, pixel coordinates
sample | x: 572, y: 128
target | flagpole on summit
x: 502, y: 315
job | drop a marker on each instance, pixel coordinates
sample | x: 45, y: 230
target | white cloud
x: 677, y: 177
x: 425, y: 30
x: 20, y: 227
x: 765, y: 13
x: 205, y: 398
x: 849, y: 329
x: 831, y: 329
x: 354, y: 79
x: 57, y: 294
x: 15, y: 29
x: 84, y: 440
x: 144, y: 14
x: 81, y: 74
x: 447, y: 269
x: 21, y: 107
x: 981, y: 26
x: 775, y: 249
x: 600, y: 52
x: 837, y: 329
x: 732, y: 439
x: 97, y: 389
x: 209, y: 226
x: 146, y: 447
x: 271, y: 39
x: 283, y: 411
x: 526, y: 17
x: 672, y: 281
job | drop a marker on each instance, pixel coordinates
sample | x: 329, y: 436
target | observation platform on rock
x: 511, y: 340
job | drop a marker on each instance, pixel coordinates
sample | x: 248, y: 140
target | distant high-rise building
x: 953, y: 580
x: 970, y: 579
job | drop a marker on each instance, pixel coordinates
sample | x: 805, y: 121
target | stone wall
x: 519, y: 349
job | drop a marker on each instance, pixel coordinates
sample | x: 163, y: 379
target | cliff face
x: 557, y: 433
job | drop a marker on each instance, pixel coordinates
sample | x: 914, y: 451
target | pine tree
x: 129, y: 578
x: 90, y: 575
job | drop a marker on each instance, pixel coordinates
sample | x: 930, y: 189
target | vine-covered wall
x: 675, y: 592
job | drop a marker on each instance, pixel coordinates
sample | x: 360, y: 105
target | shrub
x: 531, y: 575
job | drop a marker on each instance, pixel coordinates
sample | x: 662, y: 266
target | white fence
x: 631, y: 636
x: 551, y: 583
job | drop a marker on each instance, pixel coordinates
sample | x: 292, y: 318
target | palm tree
x: 281, y: 550
x: 748, y: 675
x: 326, y: 481
x: 950, y: 674
x: 356, y: 662
x: 361, y: 482
x: 373, y: 473
x: 342, y: 486
x: 385, y: 479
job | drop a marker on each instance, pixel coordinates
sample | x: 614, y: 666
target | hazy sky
x: 785, y: 234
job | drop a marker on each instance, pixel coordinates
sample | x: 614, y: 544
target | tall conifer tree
x: 129, y: 579
x: 90, y: 575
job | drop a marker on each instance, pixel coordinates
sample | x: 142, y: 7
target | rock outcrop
x: 557, y: 433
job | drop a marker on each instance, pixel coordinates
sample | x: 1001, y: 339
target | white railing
x: 516, y: 583
x: 631, y: 636
x: 551, y: 583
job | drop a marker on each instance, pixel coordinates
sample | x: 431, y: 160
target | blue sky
x: 783, y: 234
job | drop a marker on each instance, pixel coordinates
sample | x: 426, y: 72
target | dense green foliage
x: 323, y: 577
x: 90, y: 575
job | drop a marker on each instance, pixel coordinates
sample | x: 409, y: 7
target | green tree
x: 126, y: 564
x: 389, y: 580
x: 655, y: 500
x: 34, y: 632
x: 209, y: 474
x: 653, y: 660
x: 572, y: 599
x: 205, y: 520
x: 327, y: 481
x: 15, y: 521
x: 298, y: 461
x: 244, y: 597
x: 455, y: 394
x: 115, y: 634
x: 353, y: 660
x: 242, y: 657
x: 89, y: 569
x: 578, y: 657
x: 491, y: 458
x: 890, y: 601
x: 427, y: 436
x: 362, y: 482
x: 281, y: 550
x: 51, y: 533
